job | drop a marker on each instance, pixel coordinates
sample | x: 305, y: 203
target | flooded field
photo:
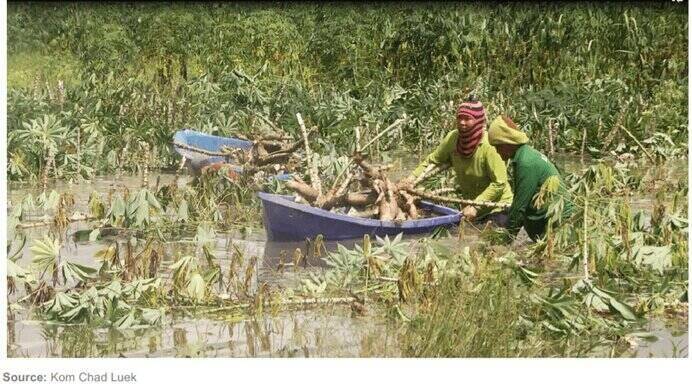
x: 332, y: 330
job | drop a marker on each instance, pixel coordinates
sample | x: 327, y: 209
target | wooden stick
x: 638, y: 143
x: 382, y: 133
x: 47, y: 221
x: 314, y: 173
x: 430, y: 171
x: 423, y: 175
x: 585, y: 246
x: 357, y: 139
x: 270, y: 143
x: 442, y: 191
x: 342, y: 188
x: 551, y: 149
x: 265, y: 119
x: 182, y: 164
x: 298, y: 302
x: 361, y: 149
x: 583, y: 145
x: 310, y: 194
x: 410, y: 204
x: 466, y: 202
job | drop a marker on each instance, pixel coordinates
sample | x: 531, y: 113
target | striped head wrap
x: 469, y: 139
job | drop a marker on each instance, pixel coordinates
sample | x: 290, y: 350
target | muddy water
x: 670, y: 340
x: 323, y: 331
x: 316, y: 332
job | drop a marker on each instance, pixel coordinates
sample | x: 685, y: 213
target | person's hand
x: 470, y: 213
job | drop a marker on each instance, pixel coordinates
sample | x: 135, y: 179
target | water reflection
x: 325, y: 331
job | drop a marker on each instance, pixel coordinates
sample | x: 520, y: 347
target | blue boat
x: 286, y: 220
x: 201, y: 149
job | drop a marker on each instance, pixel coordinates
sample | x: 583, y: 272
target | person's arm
x: 442, y: 154
x: 497, y: 172
x: 526, y: 183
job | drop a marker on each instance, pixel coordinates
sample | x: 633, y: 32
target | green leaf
x: 106, y: 254
x: 51, y: 202
x: 117, y: 210
x: 152, y: 201
x: 646, y: 336
x: 138, y: 287
x: 96, y: 207
x: 622, y: 308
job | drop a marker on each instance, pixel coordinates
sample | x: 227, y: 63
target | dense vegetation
x: 98, y: 88
x: 92, y: 80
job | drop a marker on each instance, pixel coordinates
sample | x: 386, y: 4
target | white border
x: 341, y: 372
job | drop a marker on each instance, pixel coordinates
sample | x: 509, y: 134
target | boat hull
x: 184, y: 141
x: 286, y: 220
x: 192, y: 145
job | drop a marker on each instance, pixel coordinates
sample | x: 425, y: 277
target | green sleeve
x: 442, y: 154
x: 497, y: 172
x: 526, y: 182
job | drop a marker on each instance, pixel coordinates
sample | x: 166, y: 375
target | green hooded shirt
x: 481, y: 176
x: 530, y: 169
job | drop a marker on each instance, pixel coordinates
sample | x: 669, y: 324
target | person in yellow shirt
x: 481, y: 174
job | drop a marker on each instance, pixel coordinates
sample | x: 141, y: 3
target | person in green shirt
x: 530, y: 169
x: 481, y: 174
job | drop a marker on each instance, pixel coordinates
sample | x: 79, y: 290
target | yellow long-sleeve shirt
x: 482, y: 176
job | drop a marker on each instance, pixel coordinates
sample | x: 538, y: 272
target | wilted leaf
x: 93, y: 235
x: 183, y: 214
x: 205, y: 235
x: 15, y: 271
x: 152, y: 316
x: 112, y: 290
x: 76, y: 272
x: 657, y: 257
x: 595, y: 302
x: 622, y: 308
x: 126, y: 321
x: 45, y: 253
x: 61, y: 303
x: 196, y: 287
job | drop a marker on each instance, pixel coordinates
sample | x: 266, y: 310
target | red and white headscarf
x: 469, y: 139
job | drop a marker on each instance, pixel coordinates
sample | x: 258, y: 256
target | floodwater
x: 322, y: 331
x: 317, y: 332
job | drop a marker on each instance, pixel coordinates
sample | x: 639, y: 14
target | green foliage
x: 109, y: 305
x: 147, y: 71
